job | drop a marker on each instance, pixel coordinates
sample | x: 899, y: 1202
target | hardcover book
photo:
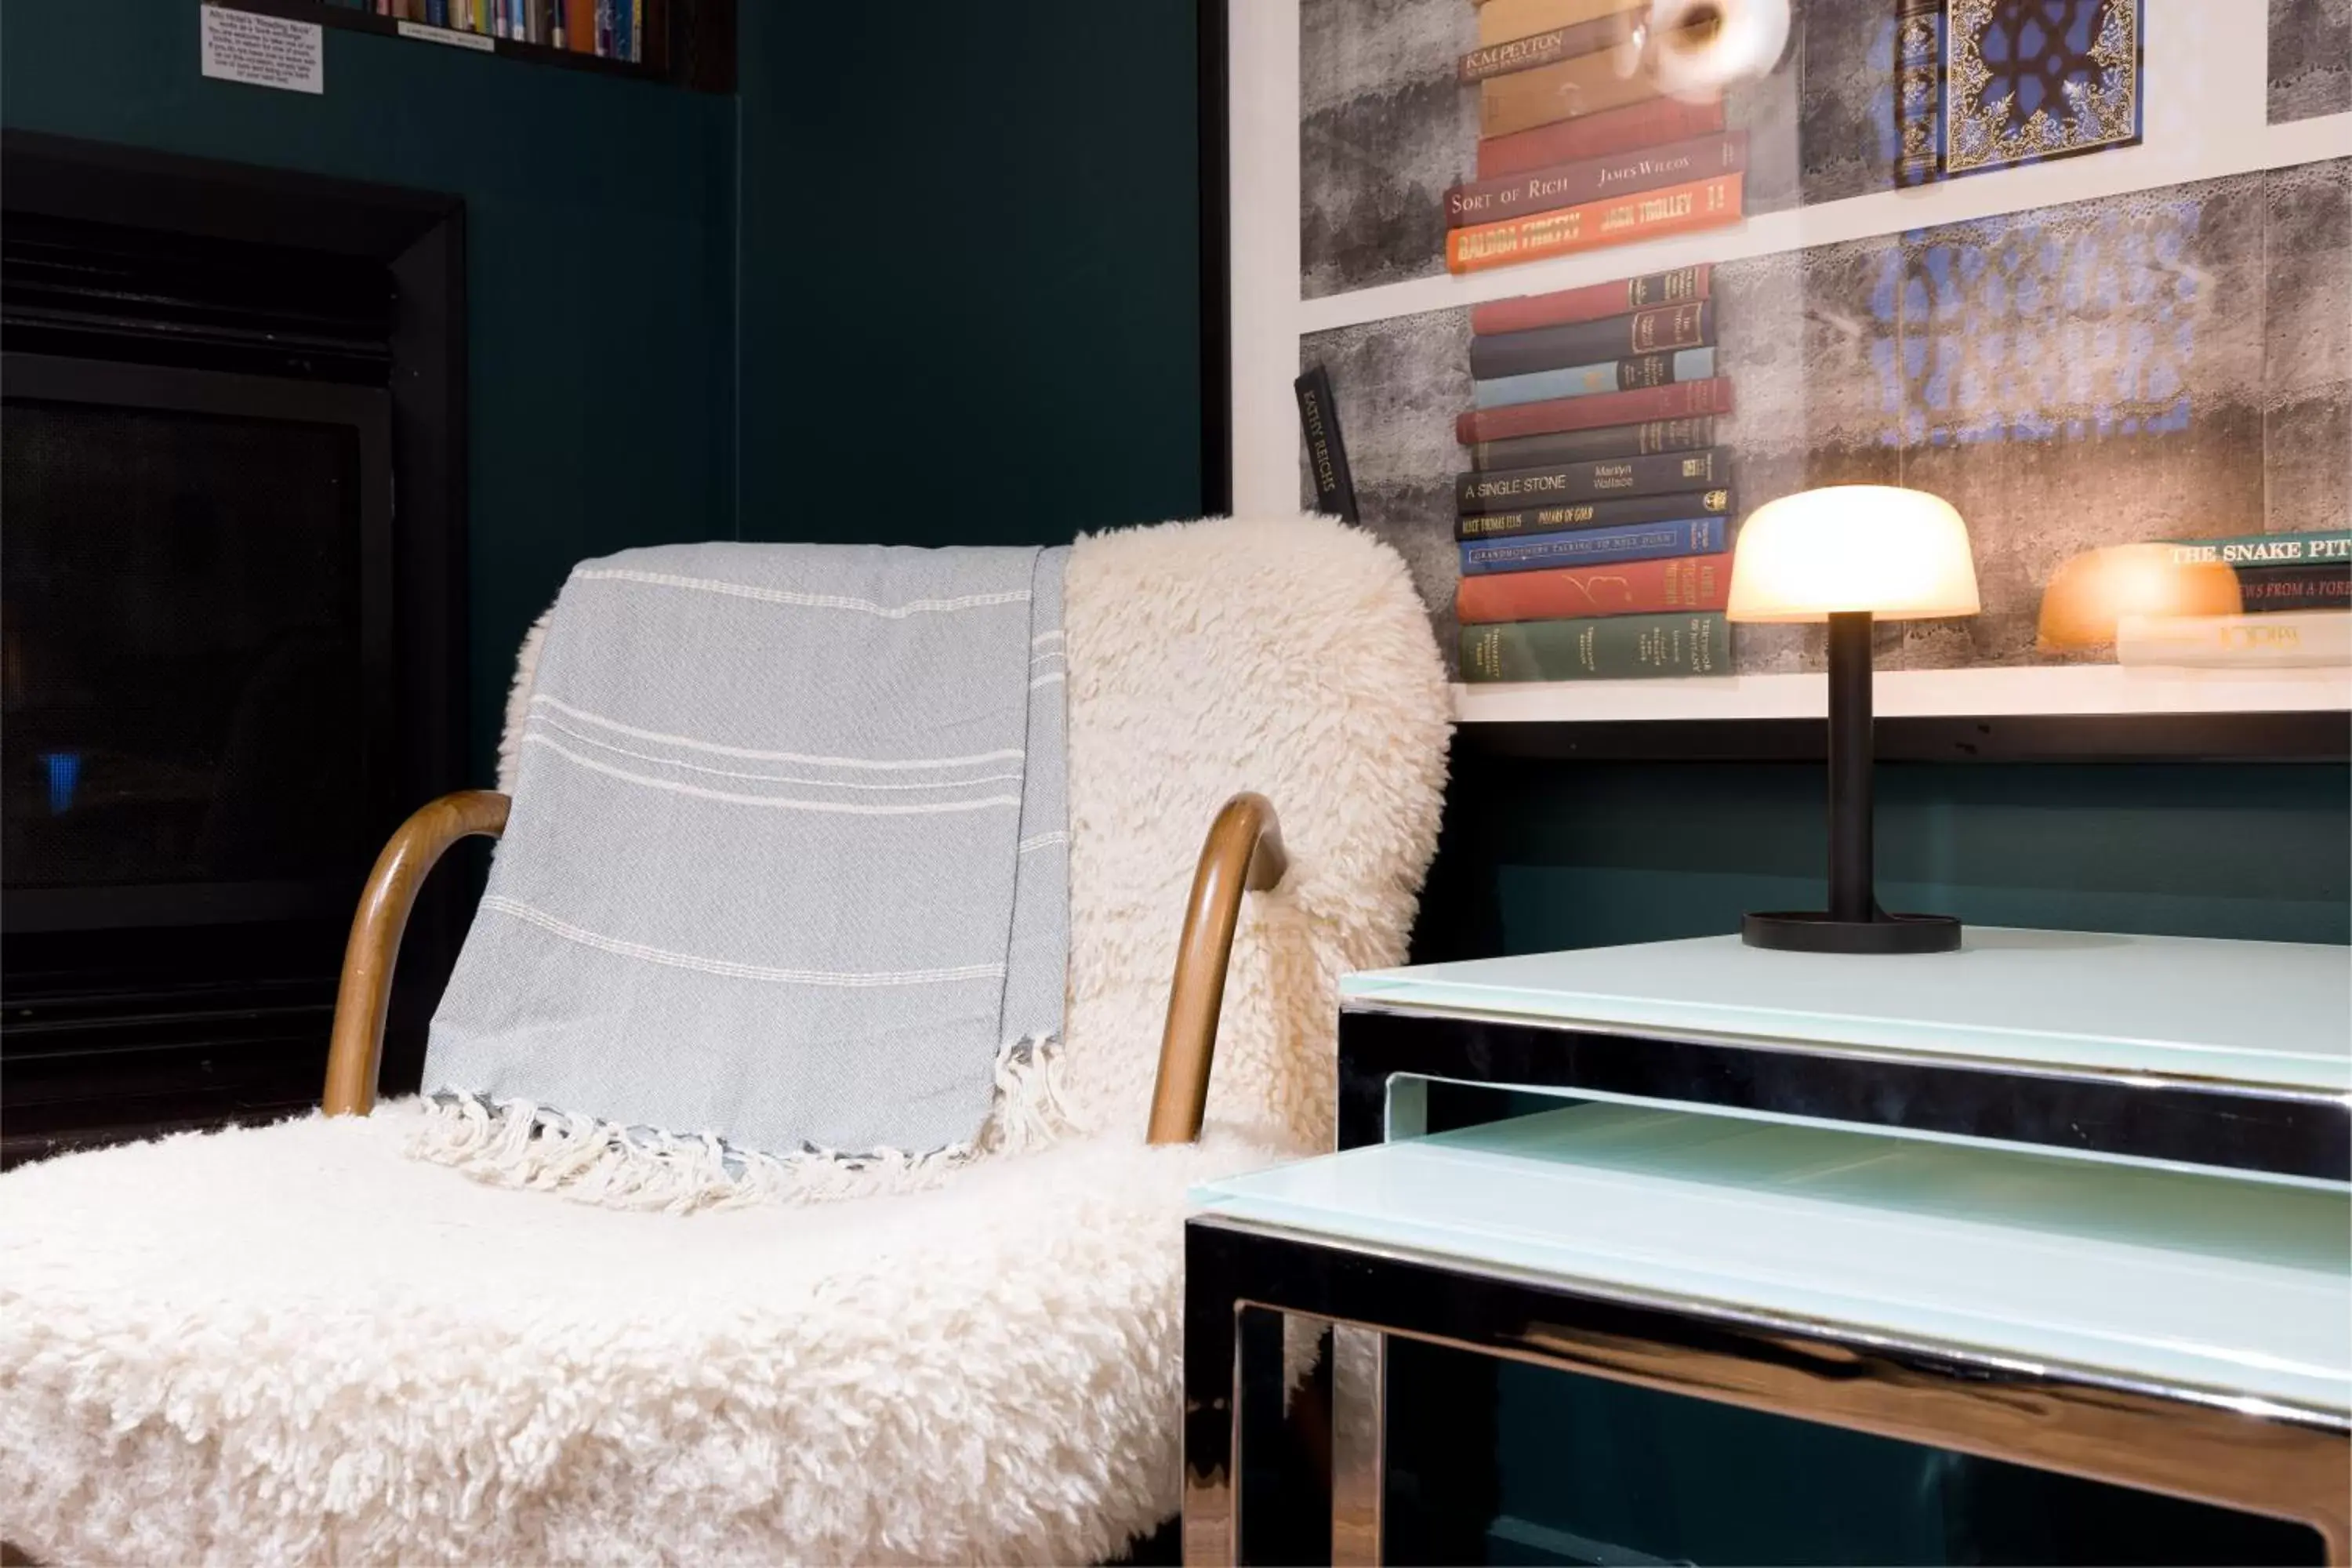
x: 1567, y: 185
x: 1661, y: 329
x: 1711, y: 202
x: 1326, y: 455
x: 1593, y: 546
x: 1591, y: 446
x: 1557, y: 517
x: 1619, y: 647
x: 1590, y: 84
x: 2288, y: 640
x: 1679, y: 400
x: 1509, y: 489
x: 1630, y: 588
x: 1552, y: 44
x: 2267, y: 549
x: 1650, y: 124
x: 1589, y: 380
x: 1500, y: 21
x: 2312, y: 585
x: 1591, y: 303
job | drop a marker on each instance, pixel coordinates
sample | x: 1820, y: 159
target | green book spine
x: 2266, y: 549
x: 1612, y: 647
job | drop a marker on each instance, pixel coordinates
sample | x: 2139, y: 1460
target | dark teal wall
x: 1539, y: 855
x: 970, y: 282
x: 600, y: 270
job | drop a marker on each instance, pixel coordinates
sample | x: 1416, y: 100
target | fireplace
x: 229, y: 661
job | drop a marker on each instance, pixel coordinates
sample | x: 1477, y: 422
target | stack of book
x: 614, y: 29
x: 1577, y: 147
x: 1595, y: 519
x: 2297, y: 594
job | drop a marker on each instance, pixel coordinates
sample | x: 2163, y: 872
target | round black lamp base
x: 1808, y: 932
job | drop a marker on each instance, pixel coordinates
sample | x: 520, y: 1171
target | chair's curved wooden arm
x: 366, y: 990
x: 1242, y: 854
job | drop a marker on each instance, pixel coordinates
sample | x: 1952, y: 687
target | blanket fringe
x: 516, y: 1143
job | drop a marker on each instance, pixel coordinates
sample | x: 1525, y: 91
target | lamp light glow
x: 1900, y: 554
x: 2091, y: 595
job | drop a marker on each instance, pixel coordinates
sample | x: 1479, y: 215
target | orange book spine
x: 1651, y: 215
x: 579, y: 26
x: 1620, y: 588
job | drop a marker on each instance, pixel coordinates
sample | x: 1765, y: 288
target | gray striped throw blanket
x: 782, y: 910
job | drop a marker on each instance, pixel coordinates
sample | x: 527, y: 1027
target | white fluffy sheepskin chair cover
x: 295, y: 1344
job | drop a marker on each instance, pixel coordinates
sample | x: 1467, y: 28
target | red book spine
x: 1622, y: 588
x: 1598, y: 135
x: 1567, y: 185
x: 1591, y: 303
x: 1679, y: 400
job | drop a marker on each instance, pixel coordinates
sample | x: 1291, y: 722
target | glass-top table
x: 2233, y: 1056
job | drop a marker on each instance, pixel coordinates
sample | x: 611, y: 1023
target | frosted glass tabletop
x: 2157, y: 1278
x: 2266, y: 1013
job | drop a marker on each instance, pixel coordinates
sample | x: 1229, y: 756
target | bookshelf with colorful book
x: 690, y: 43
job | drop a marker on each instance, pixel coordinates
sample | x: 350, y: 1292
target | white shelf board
x: 2079, y: 688
x: 2118, y: 172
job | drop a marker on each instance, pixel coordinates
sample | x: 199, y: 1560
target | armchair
x: 294, y: 1343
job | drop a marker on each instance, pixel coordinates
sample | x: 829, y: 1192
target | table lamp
x: 1848, y: 555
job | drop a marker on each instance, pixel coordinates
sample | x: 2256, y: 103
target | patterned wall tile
x: 2311, y: 58
x: 1397, y: 386
x: 1384, y: 129
x: 2307, y: 347
x: 2080, y: 376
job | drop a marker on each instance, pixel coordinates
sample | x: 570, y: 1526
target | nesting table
x: 2080, y: 1202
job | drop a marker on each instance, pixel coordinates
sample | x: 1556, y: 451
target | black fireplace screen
x: 190, y: 643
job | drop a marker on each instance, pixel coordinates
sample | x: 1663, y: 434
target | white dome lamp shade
x: 1851, y: 554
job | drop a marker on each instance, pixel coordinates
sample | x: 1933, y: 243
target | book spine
x: 1679, y: 400
x: 1500, y: 21
x: 1592, y: 546
x: 1590, y: 84
x: 2295, y: 639
x: 1661, y: 120
x: 580, y: 25
x: 1590, y: 446
x: 1593, y: 301
x: 1632, y: 588
x: 1562, y: 517
x: 1567, y: 185
x: 1551, y: 44
x: 1618, y: 648
x: 1677, y: 209
x: 1508, y: 490
x: 1662, y: 328
x: 2266, y: 549
x: 1326, y: 455
x: 2317, y: 585
x: 1591, y: 380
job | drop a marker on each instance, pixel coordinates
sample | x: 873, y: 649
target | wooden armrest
x: 360, y: 1001
x: 1242, y: 854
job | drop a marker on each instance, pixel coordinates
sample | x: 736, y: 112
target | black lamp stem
x: 1851, y: 875
x: 1853, y: 922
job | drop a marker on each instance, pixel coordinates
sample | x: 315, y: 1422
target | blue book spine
x: 624, y: 40
x: 1585, y: 380
x: 1592, y: 546
x: 437, y: 13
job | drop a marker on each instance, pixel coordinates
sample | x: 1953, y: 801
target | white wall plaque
x: 263, y: 51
